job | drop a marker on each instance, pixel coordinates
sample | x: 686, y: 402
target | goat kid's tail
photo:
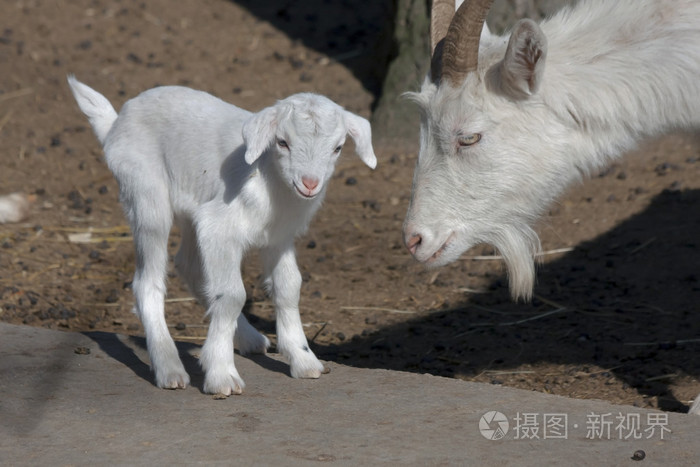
x: 99, y: 111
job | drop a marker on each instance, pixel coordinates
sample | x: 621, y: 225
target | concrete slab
x: 62, y: 406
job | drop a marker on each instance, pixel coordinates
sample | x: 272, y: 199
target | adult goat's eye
x: 337, y: 150
x: 282, y: 143
x: 469, y: 140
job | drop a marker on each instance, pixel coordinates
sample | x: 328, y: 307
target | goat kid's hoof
x: 173, y: 381
x: 226, y: 385
x: 308, y: 368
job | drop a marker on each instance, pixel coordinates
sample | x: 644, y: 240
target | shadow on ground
x: 358, y: 37
x: 627, y: 302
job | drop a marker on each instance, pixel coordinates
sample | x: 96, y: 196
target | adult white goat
x: 232, y: 181
x: 509, y: 122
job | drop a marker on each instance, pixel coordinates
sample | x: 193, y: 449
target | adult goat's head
x: 482, y: 175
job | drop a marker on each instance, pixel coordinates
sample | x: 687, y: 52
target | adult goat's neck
x: 617, y: 71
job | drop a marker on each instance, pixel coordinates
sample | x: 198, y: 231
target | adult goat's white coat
x: 231, y: 180
x: 508, y: 123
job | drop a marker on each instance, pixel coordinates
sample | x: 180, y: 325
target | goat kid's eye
x: 469, y: 140
x: 282, y: 143
x: 337, y: 150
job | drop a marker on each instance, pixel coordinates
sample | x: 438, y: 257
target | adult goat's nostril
x: 310, y: 182
x: 413, y: 242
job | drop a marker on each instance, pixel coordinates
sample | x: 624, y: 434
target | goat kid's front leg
x: 285, y: 280
x: 226, y: 297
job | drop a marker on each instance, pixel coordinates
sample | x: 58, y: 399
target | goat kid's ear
x: 360, y: 131
x: 519, y: 75
x: 259, y: 132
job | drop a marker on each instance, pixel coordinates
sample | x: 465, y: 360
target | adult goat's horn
x: 440, y: 17
x: 460, y: 49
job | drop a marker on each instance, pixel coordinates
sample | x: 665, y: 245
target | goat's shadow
x: 361, y: 38
x: 631, y: 300
x: 131, y: 351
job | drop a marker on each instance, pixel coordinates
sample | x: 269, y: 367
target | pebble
x: 372, y: 204
x: 113, y: 296
x: 639, y: 455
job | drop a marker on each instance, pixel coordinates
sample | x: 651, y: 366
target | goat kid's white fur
x: 550, y: 103
x: 231, y: 180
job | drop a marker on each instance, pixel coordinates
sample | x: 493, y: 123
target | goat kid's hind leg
x: 151, y: 226
x: 282, y: 271
x: 248, y: 340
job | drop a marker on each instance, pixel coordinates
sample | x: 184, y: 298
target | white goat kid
x: 509, y: 122
x: 231, y: 180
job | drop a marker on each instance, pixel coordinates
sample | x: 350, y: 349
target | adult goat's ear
x: 519, y: 75
x: 360, y: 131
x: 259, y: 132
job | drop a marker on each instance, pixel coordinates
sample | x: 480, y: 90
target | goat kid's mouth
x: 305, y: 193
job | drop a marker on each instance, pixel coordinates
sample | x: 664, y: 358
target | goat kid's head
x: 482, y: 175
x: 304, y: 134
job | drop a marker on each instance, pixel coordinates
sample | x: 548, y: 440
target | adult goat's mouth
x: 438, y: 253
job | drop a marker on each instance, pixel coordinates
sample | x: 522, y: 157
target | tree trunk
x: 395, y: 118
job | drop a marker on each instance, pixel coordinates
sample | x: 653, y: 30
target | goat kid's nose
x: 413, y: 242
x: 309, y: 182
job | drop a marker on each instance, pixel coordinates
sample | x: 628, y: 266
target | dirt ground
x: 615, y: 313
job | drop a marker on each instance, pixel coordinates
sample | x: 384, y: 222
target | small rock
x: 296, y: 63
x: 132, y: 57
x: 638, y: 455
x: 113, y: 296
x: 82, y: 350
x: 372, y: 204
